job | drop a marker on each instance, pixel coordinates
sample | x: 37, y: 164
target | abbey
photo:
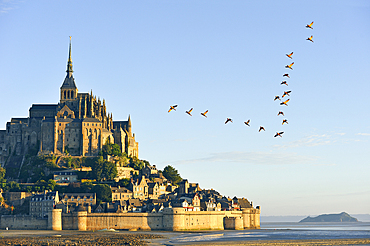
x: 79, y: 125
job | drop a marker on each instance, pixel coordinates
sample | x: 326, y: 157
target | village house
x: 41, y: 204
x: 140, y: 188
x: 67, y: 176
x: 121, y: 194
x: 76, y: 199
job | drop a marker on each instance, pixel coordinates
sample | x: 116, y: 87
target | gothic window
x: 65, y: 94
x: 96, y: 134
x: 87, y: 132
x: 69, y: 94
x: 72, y: 94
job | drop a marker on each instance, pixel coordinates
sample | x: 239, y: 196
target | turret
x: 129, y: 124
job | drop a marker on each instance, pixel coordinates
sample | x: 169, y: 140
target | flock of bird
x: 286, y: 93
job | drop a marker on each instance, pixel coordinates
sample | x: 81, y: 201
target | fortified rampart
x: 171, y: 219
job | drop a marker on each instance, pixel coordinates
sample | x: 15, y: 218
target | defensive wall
x: 171, y: 219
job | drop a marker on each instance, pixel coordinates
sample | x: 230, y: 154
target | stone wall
x: 171, y: 219
x: 23, y: 222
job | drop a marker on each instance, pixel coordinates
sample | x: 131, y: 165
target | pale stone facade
x: 78, y: 125
x: 41, y: 204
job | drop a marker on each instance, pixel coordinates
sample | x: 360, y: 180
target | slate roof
x: 69, y: 83
x: 44, y: 106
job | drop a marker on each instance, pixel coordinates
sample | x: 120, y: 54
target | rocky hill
x: 342, y: 217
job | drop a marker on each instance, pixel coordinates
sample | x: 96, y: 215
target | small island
x: 342, y: 217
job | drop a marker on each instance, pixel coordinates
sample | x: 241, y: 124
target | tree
x: 2, y: 174
x: 171, y: 174
x: 51, y: 184
x: 103, y: 170
x: 124, y: 182
x: 103, y: 193
x: 137, y: 164
x: 109, y: 171
x: 13, y: 186
x: 110, y: 149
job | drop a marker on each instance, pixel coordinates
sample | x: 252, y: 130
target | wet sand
x: 317, y: 242
x: 154, y: 238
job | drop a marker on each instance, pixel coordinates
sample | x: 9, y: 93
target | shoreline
x: 151, y: 238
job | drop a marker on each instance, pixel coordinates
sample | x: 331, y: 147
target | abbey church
x: 78, y: 125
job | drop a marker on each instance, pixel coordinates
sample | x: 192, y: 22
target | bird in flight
x: 189, y: 112
x: 290, y: 66
x: 279, y: 134
x: 285, y: 102
x: 290, y: 55
x: 247, y: 122
x: 172, y: 107
x: 281, y: 113
x: 277, y: 98
x: 228, y: 120
x: 286, y: 93
x: 286, y: 75
x: 284, y: 83
x: 261, y: 128
x: 310, y: 39
x: 309, y: 25
x: 204, y: 114
x: 285, y: 121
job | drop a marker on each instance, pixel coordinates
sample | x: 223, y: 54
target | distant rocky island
x: 342, y: 217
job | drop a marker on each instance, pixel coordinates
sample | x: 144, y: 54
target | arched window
x: 72, y: 94
x: 96, y: 134
x: 69, y: 94
x: 65, y: 94
x: 87, y: 132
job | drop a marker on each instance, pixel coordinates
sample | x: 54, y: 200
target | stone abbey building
x: 79, y: 124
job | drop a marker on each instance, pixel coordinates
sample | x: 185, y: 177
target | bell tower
x: 68, y: 91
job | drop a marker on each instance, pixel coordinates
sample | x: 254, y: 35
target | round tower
x: 55, y: 220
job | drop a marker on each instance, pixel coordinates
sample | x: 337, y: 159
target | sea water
x: 280, y: 231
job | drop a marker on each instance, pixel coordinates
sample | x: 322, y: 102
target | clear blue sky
x: 224, y: 56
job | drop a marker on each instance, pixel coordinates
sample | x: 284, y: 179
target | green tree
x: 2, y: 174
x: 13, y: 186
x: 103, y: 193
x: 124, y: 182
x: 51, y: 184
x: 137, y: 164
x: 109, y: 171
x: 171, y: 174
x: 103, y: 170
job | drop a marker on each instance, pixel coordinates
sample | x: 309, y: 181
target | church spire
x: 69, y: 65
x: 68, y: 90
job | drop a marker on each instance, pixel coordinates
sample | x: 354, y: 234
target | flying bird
x: 277, y: 98
x: 310, y: 39
x: 284, y: 83
x: 189, y: 112
x: 228, y: 120
x: 309, y: 25
x: 204, y: 114
x: 172, y: 107
x: 290, y: 55
x: 281, y: 113
x: 285, y: 102
x: 286, y: 93
x: 286, y: 75
x: 279, y: 134
x: 284, y: 121
x: 261, y: 128
x: 290, y: 66
x: 247, y: 122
